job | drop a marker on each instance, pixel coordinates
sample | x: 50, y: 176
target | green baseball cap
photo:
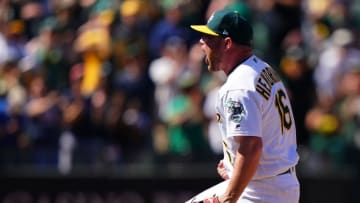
x: 227, y: 23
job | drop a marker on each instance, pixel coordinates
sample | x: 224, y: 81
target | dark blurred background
x: 110, y: 100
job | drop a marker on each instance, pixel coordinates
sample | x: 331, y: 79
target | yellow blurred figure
x: 94, y: 43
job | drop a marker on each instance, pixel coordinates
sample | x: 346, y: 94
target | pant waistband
x: 290, y: 170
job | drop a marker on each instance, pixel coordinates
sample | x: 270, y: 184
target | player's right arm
x: 246, y: 162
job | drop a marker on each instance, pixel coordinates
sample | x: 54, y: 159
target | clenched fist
x: 221, y: 170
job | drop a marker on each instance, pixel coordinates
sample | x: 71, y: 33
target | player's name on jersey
x: 268, y: 77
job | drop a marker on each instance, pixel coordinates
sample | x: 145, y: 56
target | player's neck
x: 236, y: 59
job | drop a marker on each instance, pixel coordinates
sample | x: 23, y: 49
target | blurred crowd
x: 94, y: 82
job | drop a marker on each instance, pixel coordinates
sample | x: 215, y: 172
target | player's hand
x: 221, y: 170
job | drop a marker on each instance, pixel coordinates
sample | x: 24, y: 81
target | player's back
x: 269, y: 115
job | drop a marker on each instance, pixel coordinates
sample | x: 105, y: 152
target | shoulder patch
x: 235, y: 109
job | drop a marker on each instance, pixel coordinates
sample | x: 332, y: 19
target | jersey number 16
x: 283, y: 110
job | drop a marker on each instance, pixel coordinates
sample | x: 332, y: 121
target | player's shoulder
x: 245, y: 74
x: 255, y: 64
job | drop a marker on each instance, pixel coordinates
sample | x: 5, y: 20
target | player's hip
x: 283, y: 188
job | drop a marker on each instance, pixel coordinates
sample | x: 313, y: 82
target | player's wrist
x: 227, y: 198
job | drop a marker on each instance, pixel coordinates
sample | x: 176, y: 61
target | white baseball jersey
x: 253, y: 102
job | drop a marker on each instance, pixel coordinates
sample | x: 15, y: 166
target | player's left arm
x: 246, y: 162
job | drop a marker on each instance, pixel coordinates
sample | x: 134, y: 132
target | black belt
x: 287, y: 171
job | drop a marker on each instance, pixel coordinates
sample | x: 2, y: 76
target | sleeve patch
x: 235, y: 109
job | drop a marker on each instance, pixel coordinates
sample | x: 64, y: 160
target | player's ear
x: 228, y: 42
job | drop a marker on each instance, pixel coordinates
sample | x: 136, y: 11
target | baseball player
x: 255, y: 118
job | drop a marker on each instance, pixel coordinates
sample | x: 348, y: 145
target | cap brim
x: 204, y: 29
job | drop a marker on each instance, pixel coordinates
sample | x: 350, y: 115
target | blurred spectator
x: 130, y: 59
x: 93, y: 45
x: 15, y: 40
x: 349, y: 112
x: 129, y: 80
x: 179, y: 99
x: 42, y: 120
x: 280, y: 19
x: 50, y: 52
x: 332, y: 62
x: 300, y: 86
x: 165, y: 70
x: 31, y: 13
x: 75, y: 120
x: 75, y: 104
x: 130, y: 33
x: 168, y: 27
x: 13, y: 97
x: 184, y: 119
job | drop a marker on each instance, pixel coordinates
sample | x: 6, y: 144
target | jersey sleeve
x: 242, y: 113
